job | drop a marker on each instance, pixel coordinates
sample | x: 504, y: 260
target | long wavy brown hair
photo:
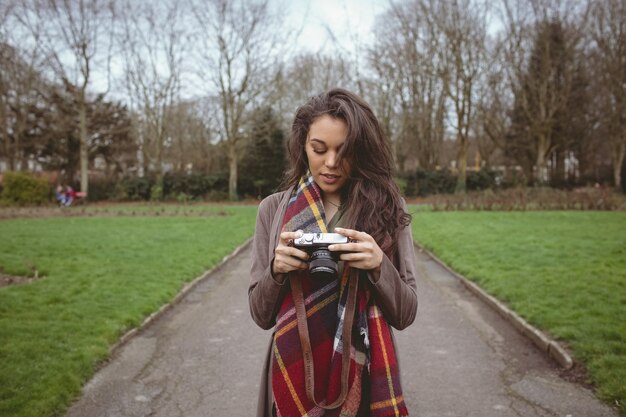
x: 371, y: 195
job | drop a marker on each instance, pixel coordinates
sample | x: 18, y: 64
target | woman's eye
x: 319, y: 151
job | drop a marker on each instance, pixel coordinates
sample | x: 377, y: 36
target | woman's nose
x: 331, y: 160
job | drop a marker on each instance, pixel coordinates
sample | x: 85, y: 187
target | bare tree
x: 412, y: 78
x: 609, y: 36
x: 75, y: 35
x: 21, y: 82
x: 154, y: 44
x: 22, y: 94
x: 190, y: 133
x: 382, y: 93
x: 5, y: 12
x: 306, y: 75
x: 464, y: 24
x: 496, y: 100
x: 237, y: 44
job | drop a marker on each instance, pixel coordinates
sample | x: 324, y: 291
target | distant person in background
x: 65, y: 196
x: 60, y: 195
x: 338, y: 356
x: 70, y: 195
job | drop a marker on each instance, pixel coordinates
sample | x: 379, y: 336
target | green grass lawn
x: 564, y: 272
x: 102, y: 276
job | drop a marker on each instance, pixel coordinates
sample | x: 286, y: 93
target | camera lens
x: 321, y: 263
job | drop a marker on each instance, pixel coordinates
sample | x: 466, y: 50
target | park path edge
x: 546, y: 344
x: 181, y: 294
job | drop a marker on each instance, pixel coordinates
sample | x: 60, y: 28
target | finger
x: 347, y: 247
x: 353, y: 234
x: 294, y: 263
x: 287, y: 237
x: 365, y: 263
x: 293, y: 252
x: 282, y: 266
x: 354, y: 257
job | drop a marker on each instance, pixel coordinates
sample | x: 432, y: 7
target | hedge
x: 24, y: 188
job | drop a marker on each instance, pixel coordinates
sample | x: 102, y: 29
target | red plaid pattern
x: 372, y: 354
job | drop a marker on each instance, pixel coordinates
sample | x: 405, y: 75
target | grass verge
x: 101, y: 277
x: 564, y: 272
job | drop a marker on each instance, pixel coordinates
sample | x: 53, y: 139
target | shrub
x: 156, y: 192
x: 531, y: 199
x: 134, y: 188
x: 182, y: 198
x: 217, y: 195
x: 22, y: 189
x: 424, y: 182
x: 402, y: 185
x: 195, y: 186
x: 481, y: 180
x: 102, y: 189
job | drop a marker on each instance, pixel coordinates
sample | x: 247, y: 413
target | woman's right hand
x: 286, y: 257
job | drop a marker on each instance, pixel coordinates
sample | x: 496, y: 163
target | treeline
x: 194, y: 99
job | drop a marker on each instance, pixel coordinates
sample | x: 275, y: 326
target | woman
x: 340, y: 181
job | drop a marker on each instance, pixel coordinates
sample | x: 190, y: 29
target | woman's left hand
x: 364, y: 252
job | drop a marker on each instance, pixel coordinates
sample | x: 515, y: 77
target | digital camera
x: 322, y: 262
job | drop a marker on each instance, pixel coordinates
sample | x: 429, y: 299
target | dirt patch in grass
x: 577, y: 374
x: 7, y: 280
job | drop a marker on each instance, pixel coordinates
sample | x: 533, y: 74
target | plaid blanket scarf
x: 373, y: 383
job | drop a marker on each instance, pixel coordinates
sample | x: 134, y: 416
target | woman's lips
x: 329, y: 178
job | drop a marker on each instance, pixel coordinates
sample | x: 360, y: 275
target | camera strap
x: 305, y: 342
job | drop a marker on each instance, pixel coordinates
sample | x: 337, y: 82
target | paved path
x: 204, y: 357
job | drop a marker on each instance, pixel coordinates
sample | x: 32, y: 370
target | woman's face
x: 326, y: 137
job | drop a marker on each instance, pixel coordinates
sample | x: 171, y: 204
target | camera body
x: 322, y: 262
x: 317, y: 240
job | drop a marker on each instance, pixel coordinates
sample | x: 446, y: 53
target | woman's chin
x: 326, y: 188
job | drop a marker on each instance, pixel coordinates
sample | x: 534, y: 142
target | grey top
x: 394, y: 288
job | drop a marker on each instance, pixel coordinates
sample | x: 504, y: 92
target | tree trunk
x: 541, y: 169
x: 232, y: 168
x: 400, y: 157
x: 159, y: 160
x: 618, y: 160
x: 84, y: 155
x: 145, y: 155
x: 541, y: 164
x: 17, y: 153
x: 557, y: 173
x: 461, y: 161
x: 8, y: 152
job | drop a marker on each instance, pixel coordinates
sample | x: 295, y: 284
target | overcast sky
x: 346, y: 19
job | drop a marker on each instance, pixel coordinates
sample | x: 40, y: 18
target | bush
x: 176, y: 186
x: 195, y: 186
x: 182, y: 198
x: 481, y: 180
x: 22, y: 189
x: 402, y: 185
x: 423, y: 182
x: 134, y: 188
x: 156, y: 193
x: 531, y: 198
x: 102, y: 189
x: 217, y: 195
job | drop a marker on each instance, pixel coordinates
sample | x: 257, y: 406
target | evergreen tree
x: 548, y: 113
x: 263, y: 160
